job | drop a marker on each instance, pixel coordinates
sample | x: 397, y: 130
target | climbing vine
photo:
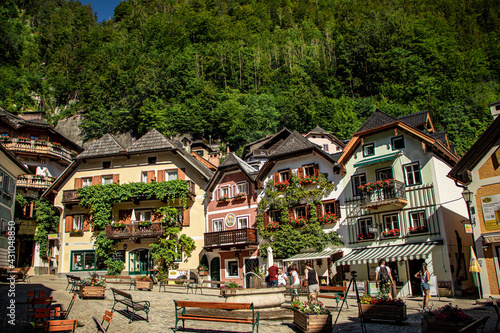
x: 286, y: 239
x: 47, y: 221
x: 100, y: 199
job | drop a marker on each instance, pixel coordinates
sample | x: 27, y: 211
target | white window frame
x: 238, y: 190
x: 243, y: 217
x: 284, y: 174
x: 86, y: 181
x: 307, y: 170
x: 105, y: 179
x: 226, y: 267
x: 363, y: 226
x: 391, y: 221
x: 412, y: 172
x: 325, y: 147
x: 368, y: 146
x: 144, y: 176
x: 221, y: 191
x: 78, y: 221
x: 422, y: 219
x: 170, y: 173
x: 140, y: 215
x: 181, y: 253
x: 216, y: 222
x: 355, y: 190
x: 296, y: 213
x: 278, y: 212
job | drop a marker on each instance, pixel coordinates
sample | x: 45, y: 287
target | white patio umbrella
x: 270, y: 258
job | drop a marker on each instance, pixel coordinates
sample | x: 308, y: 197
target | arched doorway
x: 215, y: 269
x: 139, y: 262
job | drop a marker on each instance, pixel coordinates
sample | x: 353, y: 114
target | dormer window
x: 106, y: 165
x: 368, y: 149
x: 398, y: 142
x: 152, y: 160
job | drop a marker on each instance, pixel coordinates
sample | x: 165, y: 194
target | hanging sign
x: 468, y: 228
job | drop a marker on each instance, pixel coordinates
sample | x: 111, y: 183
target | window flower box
x: 308, y: 180
x: 273, y: 226
x: 391, y: 233
x: 418, y: 230
x: 223, y: 199
x: 365, y: 236
x: 240, y: 196
x: 40, y: 142
x: 145, y: 224
x: 76, y: 233
x: 299, y: 222
x: 328, y: 218
x: 118, y: 225
x: 23, y: 139
x: 281, y: 186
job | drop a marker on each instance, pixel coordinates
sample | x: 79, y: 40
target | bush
x: 115, y: 267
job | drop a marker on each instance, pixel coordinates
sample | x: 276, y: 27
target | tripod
x: 354, y: 274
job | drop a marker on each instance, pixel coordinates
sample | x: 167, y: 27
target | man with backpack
x: 384, y: 279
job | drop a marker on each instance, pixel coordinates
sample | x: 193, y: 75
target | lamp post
x: 468, y: 196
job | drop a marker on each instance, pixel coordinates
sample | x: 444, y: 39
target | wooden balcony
x: 135, y: 231
x: 392, y: 195
x: 239, y: 238
x: 34, y: 181
x: 70, y: 197
x: 40, y: 148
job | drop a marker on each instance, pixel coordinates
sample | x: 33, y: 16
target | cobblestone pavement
x: 162, y: 314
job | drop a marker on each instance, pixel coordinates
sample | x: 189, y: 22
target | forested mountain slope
x: 241, y: 69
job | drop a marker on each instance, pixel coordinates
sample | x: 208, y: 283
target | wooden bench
x: 181, y: 314
x: 178, y: 283
x: 126, y: 299
x: 115, y: 279
x: 474, y: 326
x: 340, y: 294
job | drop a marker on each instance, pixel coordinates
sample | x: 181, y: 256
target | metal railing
x: 395, y: 190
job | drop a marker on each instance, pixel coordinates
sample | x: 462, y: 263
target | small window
x: 152, y: 160
x: 329, y: 207
x: 368, y: 149
x: 275, y: 216
x: 232, y: 269
x: 224, y: 192
x: 300, y: 212
x: 78, y: 222
x: 1, y: 180
x: 32, y: 137
x: 170, y: 175
x: 418, y: 220
x: 107, y: 180
x: 383, y: 174
x: 309, y: 170
x: 325, y: 147
x: 338, y: 148
x: 412, y: 174
x: 217, y: 225
x: 357, y: 181
x: 398, y: 142
x: 86, y: 181
x: 365, y: 227
x: 142, y: 215
x: 391, y: 222
x: 199, y: 152
x: 106, y: 165
x: 241, y: 188
x: 242, y: 222
x: 284, y: 175
x: 179, y: 254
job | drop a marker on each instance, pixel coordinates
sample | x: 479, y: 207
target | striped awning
x: 313, y: 255
x: 389, y: 253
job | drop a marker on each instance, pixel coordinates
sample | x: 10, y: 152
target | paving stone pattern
x: 162, y: 314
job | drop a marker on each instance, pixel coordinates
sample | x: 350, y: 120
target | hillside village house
x: 231, y: 242
x: 10, y: 169
x: 326, y: 140
x: 296, y: 155
x: 152, y: 158
x: 479, y: 171
x: 401, y: 207
x: 46, y: 153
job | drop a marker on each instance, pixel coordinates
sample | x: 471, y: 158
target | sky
x: 104, y: 8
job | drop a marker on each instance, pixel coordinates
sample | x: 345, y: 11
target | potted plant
x: 328, y: 218
x: 23, y: 139
x: 418, y: 229
x: 92, y: 287
x: 240, y: 196
x: 391, y: 233
x: 76, y: 233
x: 367, y: 187
x: 224, y: 198
x: 382, y: 307
x: 145, y: 224
x: 307, y: 180
x: 299, y: 222
x: 118, y: 225
x: 364, y: 236
x: 311, y: 316
x: 272, y: 226
x: 282, y: 185
x: 202, y: 270
x: 144, y: 282
x: 447, y: 318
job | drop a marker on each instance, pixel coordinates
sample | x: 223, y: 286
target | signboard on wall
x: 433, y: 283
x: 468, y: 228
x: 491, y: 211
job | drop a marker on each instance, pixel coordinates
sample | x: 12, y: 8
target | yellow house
x: 479, y: 170
x: 133, y: 223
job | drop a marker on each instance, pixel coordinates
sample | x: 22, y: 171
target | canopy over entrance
x: 313, y: 255
x: 389, y: 253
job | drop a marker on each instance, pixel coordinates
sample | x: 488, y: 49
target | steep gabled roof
x: 441, y: 136
x: 320, y: 131
x: 476, y: 153
x: 377, y: 119
x: 267, y: 142
x: 104, y: 146
x: 152, y: 140
x: 294, y: 142
x: 204, y: 161
x: 418, y: 120
x: 231, y: 163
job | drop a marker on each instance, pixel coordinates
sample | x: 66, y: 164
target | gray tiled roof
x: 318, y: 129
x: 294, y: 142
x: 415, y: 119
x: 232, y: 159
x: 152, y: 140
x: 104, y: 146
x: 441, y: 136
x: 16, y: 121
x: 378, y: 118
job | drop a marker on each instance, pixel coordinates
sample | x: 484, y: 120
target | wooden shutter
x: 125, y: 216
x: 316, y: 170
x: 337, y: 208
x: 186, y: 214
x: 96, y: 180
x: 68, y: 223
x: 156, y: 217
x: 116, y: 179
x: 319, y: 210
x: 289, y: 174
x: 181, y: 173
x: 300, y: 172
x: 276, y: 177
x: 161, y: 175
x: 86, y: 222
x: 151, y: 176
x: 78, y: 183
x: 265, y: 216
x: 291, y: 215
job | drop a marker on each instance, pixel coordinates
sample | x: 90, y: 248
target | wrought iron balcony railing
x: 392, y: 194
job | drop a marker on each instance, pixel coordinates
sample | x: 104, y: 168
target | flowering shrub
x: 367, y: 187
x: 390, y: 233
x: 416, y: 230
x: 282, y: 185
x: 273, y: 226
x: 309, y: 308
x: 381, y: 299
x: 296, y: 305
x: 450, y: 313
x: 369, y: 235
x: 93, y: 280
x: 299, y: 222
x: 308, y: 180
x: 328, y: 218
x: 144, y: 278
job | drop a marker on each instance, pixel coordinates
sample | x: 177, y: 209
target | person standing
x: 383, y: 278
x: 273, y: 275
x: 282, y: 278
x: 424, y: 277
x: 312, y: 281
x: 295, y: 281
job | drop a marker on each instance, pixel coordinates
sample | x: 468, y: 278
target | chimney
x: 495, y: 109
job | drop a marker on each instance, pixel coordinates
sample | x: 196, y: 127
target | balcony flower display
x: 299, y: 222
x: 282, y: 185
x: 145, y: 224
x: 417, y: 230
x: 118, y: 225
x: 273, y: 226
x: 5, y: 138
x: 391, y: 233
x: 224, y: 198
x: 368, y: 187
x: 363, y: 236
x: 387, y: 182
x: 40, y: 142
x: 56, y: 144
x: 328, y: 218
x: 76, y: 233
x: 23, y: 139
x: 239, y: 196
x: 308, y: 180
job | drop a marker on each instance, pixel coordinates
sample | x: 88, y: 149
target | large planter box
x: 92, y: 292
x: 431, y: 325
x: 312, y: 323
x: 382, y: 312
x: 148, y: 285
x: 203, y: 273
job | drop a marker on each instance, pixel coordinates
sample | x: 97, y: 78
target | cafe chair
x: 100, y: 326
x: 61, y: 325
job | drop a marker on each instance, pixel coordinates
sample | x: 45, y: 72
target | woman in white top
x: 282, y: 278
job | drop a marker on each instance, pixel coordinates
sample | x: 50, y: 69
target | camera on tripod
x: 354, y: 274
